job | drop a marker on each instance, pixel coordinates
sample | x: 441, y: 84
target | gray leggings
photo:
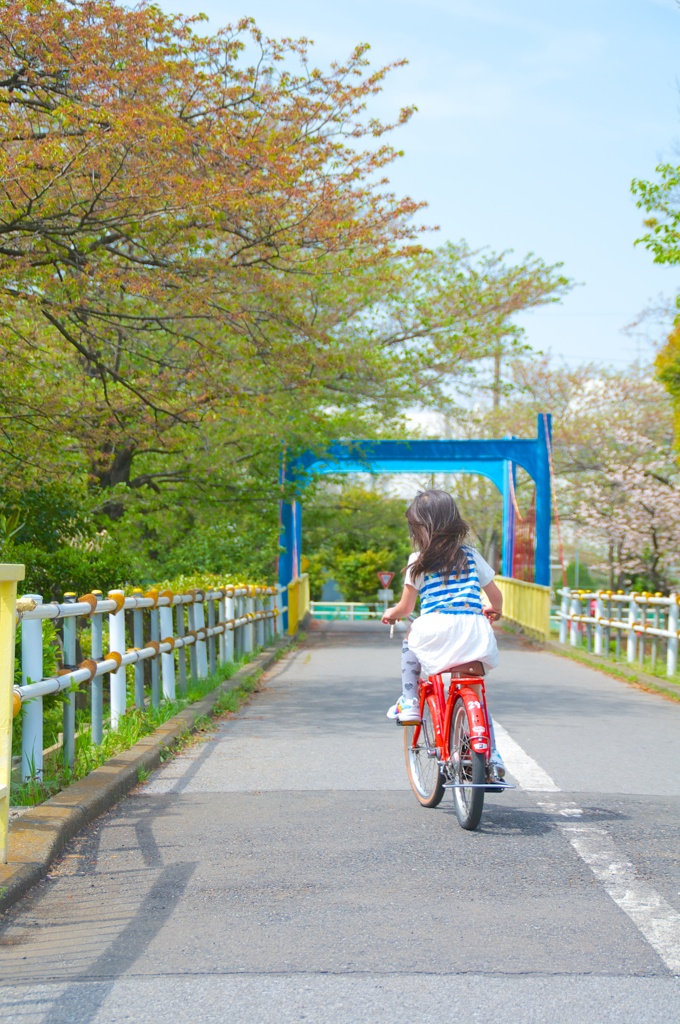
x: 410, y: 672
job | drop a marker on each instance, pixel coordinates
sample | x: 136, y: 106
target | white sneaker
x: 406, y: 711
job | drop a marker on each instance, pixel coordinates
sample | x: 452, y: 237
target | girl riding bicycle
x: 453, y: 627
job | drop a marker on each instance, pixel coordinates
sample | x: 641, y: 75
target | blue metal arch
x: 489, y: 457
x: 494, y: 471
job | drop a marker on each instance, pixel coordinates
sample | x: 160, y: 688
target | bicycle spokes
x: 422, y: 761
x: 450, y: 748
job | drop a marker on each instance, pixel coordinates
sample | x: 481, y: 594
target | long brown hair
x: 438, y: 532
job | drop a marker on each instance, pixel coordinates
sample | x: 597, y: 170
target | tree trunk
x: 118, y: 468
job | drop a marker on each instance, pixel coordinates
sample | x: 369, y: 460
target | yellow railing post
x: 9, y: 577
x: 293, y: 606
x: 298, y: 602
x: 527, y: 604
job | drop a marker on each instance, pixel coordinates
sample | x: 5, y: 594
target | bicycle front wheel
x: 469, y: 770
x: 421, y: 761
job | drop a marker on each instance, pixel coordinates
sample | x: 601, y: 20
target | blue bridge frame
x: 491, y: 458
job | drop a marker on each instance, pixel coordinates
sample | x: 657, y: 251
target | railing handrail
x: 522, y: 583
x: 215, y: 624
x: 27, y: 608
x: 634, y: 613
x: 55, y: 684
x: 298, y: 601
x: 621, y: 596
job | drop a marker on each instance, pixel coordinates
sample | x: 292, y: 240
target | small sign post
x: 385, y: 594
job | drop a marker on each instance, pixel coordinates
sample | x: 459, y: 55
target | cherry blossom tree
x: 632, y: 505
x: 617, y: 478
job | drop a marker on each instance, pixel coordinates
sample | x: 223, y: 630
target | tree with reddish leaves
x: 159, y: 192
x: 201, y: 259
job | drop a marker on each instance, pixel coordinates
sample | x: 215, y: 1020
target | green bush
x: 236, y: 540
x: 207, y: 581
x: 585, y: 579
x: 317, y: 568
x: 357, y: 573
x: 50, y: 515
x: 350, y: 533
x: 53, y: 573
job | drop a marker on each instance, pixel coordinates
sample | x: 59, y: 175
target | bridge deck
x: 282, y: 870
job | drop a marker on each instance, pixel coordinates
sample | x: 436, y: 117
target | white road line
x: 656, y: 919
x: 528, y: 772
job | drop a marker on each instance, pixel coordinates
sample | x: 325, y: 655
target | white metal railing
x: 602, y: 619
x: 211, y: 626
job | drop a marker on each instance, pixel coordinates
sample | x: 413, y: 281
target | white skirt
x: 440, y: 641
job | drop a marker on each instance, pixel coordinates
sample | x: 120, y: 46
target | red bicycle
x: 451, y: 746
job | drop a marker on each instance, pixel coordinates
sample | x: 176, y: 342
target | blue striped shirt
x: 458, y: 595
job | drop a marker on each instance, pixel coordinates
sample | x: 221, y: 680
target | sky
x: 533, y: 117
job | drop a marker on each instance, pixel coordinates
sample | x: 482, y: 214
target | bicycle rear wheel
x: 421, y: 761
x: 469, y: 767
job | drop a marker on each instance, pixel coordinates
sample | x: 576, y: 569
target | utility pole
x: 496, y: 389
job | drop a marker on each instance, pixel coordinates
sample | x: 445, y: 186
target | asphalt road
x: 282, y: 871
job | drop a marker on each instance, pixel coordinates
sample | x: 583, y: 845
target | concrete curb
x: 39, y: 835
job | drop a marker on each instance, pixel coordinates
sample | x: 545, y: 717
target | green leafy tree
x: 356, y: 573
x: 200, y: 263
x: 660, y: 200
x: 668, y: 371
x: 347, y: 521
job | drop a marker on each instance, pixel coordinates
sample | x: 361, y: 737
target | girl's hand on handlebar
x: 389, y: 618
x: 492, y: 615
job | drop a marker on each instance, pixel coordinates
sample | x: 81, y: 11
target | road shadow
x: 532, y: 821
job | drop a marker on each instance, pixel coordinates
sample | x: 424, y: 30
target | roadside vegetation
x: 204, y: 272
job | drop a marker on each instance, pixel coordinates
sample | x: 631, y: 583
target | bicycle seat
x: 468, y: 668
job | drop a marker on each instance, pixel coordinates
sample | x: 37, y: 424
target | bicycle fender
x: 479, y: 732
